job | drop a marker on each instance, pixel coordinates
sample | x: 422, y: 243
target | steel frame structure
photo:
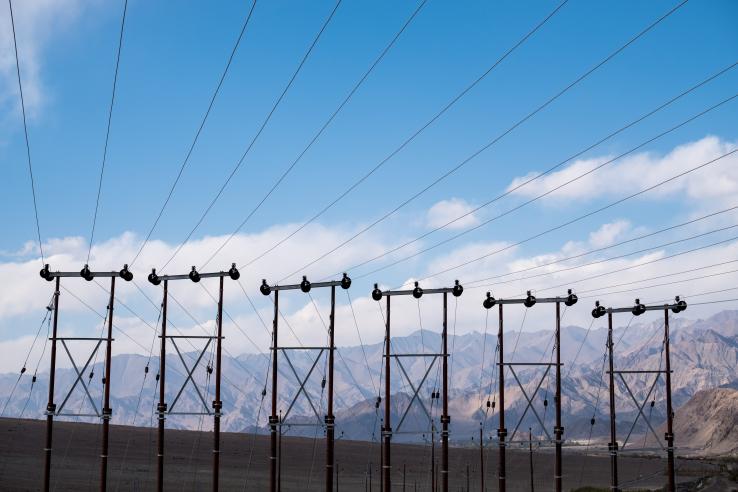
x: 636, y: 310
x: 277, y: 420
x: 162, y: 408
x: 529, y: 301
x: 417, y: 293
x: 105, y: 413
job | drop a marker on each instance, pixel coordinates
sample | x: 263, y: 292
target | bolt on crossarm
x: 456, y: 290
x: 329, y: 419
x: 613, y: 447
x: 51, y: 409
x: 217, y: 405
x: 529, y: 301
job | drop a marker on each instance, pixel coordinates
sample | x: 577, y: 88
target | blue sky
x: 171, y: 60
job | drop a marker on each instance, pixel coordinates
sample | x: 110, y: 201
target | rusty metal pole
x: 162, y: 407
x: 501, y: 431
x: 51, y: 406
x: 671, y: 472
x: 217, y: 404
x: 273, y: 419
x: 106, y: 410
x: 445, y: 419
x: 481, y: 457
x: 613, y: 445
x: 530, y: 459
x: 387, y: 430
x: 330, y: 419
x: 558, y: 430
x: 434, y: 487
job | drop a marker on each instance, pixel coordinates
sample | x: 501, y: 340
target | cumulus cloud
x: 715, y: 183
x: 36, y: 24
x: 446, y: 211
x: 607, y: 234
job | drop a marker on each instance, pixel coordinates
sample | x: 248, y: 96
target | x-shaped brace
x: 530, y: 403
x: 640, y: 410
x: 79, y: 378
x: 302, y: 382
x: 415, y: 390
x: 189, y: 377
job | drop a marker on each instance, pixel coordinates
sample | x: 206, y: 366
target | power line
x: 650, y: 262
x: 408, y: 140
x: 256, y: 136
x: 313, y: 140
x: 107, y: 132
x: 581, y: 217
x: 597, y: 250
x: 197, y: 133
x: 513, y: 189
x: 25, y: 132
x: 612, y: 258
x: 492, y: 142
x: 550, y: 191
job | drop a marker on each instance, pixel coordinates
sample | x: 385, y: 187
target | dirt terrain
x: 188, y: 462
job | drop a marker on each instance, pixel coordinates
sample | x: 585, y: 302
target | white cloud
x: 607, y: 234
x: 715, y: 183
x: 445, y: 211
x: 36, y: 23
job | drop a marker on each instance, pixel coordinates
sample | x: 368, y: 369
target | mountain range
x: 704, y: 355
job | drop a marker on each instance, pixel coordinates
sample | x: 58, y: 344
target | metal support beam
x: 217, y: 404
x: 107, y: 412
x: 161, y: 408
x: 613, y: 444
x: 501, y: 431
x: 50, y: 406
x: 669, y: 436
x: 273, y: 418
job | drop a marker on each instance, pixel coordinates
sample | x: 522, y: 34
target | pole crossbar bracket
x: 190, y: 379
x: 529, y: 400
x: 415, y: 390
x: 302, y: 382
x: 79, y: 379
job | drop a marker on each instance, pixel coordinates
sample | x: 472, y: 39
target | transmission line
x: 312, y: 141
x: 107, y: 131
x: 408, y: 140
x: 492, y: 142
x: 667, y: 257
x: 617, y: 257
x: 581, y: 217
x: 197, y: 133
x: 597, y: 250
x: 256, y: 136
x: 512, y: 189
x: 550, y: 191
x: 25, y: 132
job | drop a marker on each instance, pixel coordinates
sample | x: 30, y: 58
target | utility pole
x: 558, y: 429
x: 403, y: 476
x: 161, y: 408
x: 481, y: 458
x: 530, y: 458
x: 107, y: 412
x: 445, y: 418
x: 417, y: 293
x: 217, y: 405
x: 529, y: 301
x: 613, y: 444
x: 273, y: 419
x: 637, y: 310
x: 329, y: 419
x: 51, y: 408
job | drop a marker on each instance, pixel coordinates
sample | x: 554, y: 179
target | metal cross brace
x: 189, y: 378
x: 530, y: 402
x: 303, y: 382
x: 415, y: 390
x: 640, y: 410
x: 79, y: 379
